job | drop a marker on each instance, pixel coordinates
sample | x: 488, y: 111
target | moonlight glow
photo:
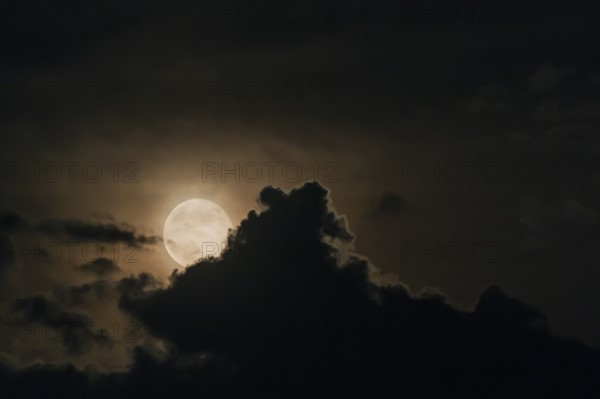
x: 195, y: 229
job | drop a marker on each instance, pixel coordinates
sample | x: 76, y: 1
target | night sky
x: 413, y: 188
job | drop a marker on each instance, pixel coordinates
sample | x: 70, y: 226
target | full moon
x: 195, y: 229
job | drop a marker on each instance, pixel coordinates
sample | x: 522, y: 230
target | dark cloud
x: 7, y: 251
x: 391, y: 203
x: 556, y: 223
x: 274, y: 328
x: 78, y: 230
x: 322, y: 321
x: 77, y: 331
x: 545, y: 78
x: 11, y: 221
x: 96, y: 232
x: 505, y: 313
x: 152, y: 374
x: 100, y: 267
x: 137, y: 286
x: 84, y: 293
x: 51, y: 381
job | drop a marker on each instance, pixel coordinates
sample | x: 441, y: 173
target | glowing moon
x: 195, y: 229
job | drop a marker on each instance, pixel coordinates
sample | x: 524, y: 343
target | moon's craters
x: 195, y: 229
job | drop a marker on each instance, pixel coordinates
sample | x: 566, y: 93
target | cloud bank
x: 305, y: 319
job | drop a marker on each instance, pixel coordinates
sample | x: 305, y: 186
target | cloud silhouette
x: 80, y: 294
x: 315, y: 324
x: 78, y: 230
x: 391, y: 203
x: 100, y: 267
x: 77, y: 331
x: 7, y: 252
x: 557, y: 223
x: 96, y: 232
x: 321, y: 325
